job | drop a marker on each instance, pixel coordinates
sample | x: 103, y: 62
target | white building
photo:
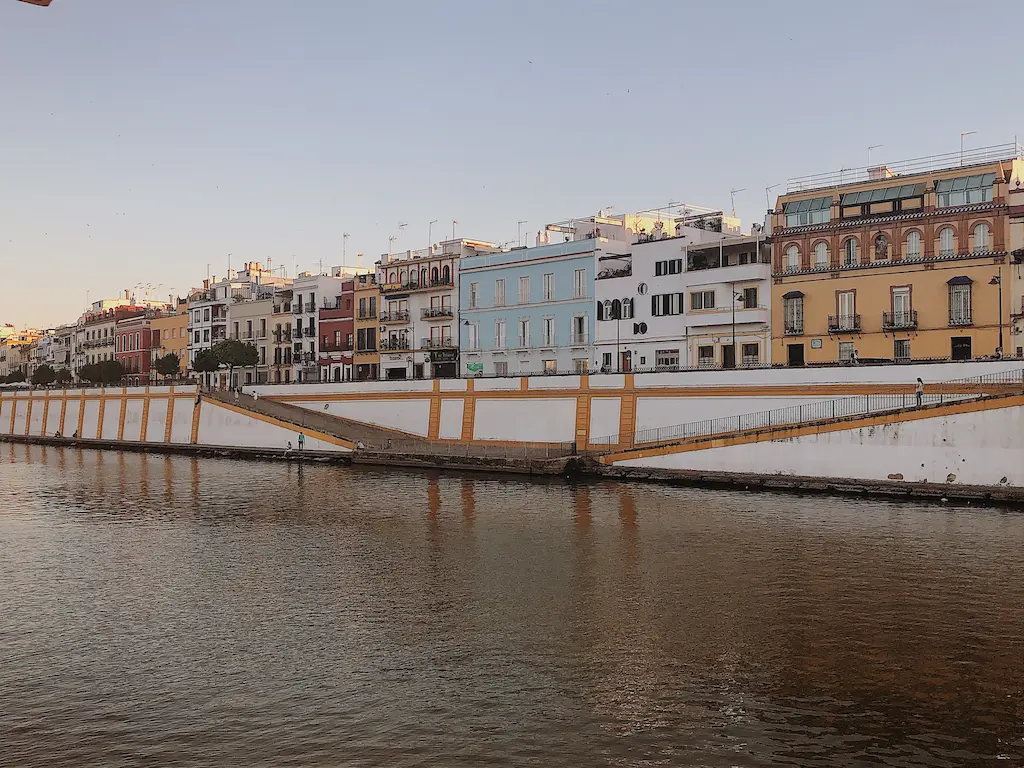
x: 691, y: 293
x: 311, y: 293
x: 419, y: 312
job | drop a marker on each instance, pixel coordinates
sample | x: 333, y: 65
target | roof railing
x: 968, y: 157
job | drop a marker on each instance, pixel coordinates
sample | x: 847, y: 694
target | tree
x: 63, y: 376
x: 15, y: 378
x: 43, y: 375
x: 110, y: 371
x: 233, y: 353
x: 168, y: 365
x: 205, y: 362
x: 89, y: 372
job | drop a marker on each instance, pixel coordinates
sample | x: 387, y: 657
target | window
x: 750, y: 297
x: 914, y: 245
x: 845, y: 351
x: 362, y: 307
x: 702, y: 300
x: 801, y: 213
x: 524, y: 289
x: 792, y: 259
x: 500, y: 368
x: 665, y: 304
x: 474, y: 295
x: 606, y: 361
x: 793, y: 315
x: 668, y: 267
x: 706, y: 356
x: 197, y: 337
x: 901, y: 350
x: 473, y: 336
x: 627, y: 309
x: 524, y: 332
x: 960, y: 302
x: 579, y: 329
x: 206, y: 315
x: 446, y: 274
x: 850, y: 252
x: 499, y: 334
x: 821, y: 255
x: 579, y: 284
x: 947, y: 242
x: 548, y: 287
x: 666, y: 359
x: 751, y: 355
x: 580, y: 365
x: 981, y: 238
x: 550, y: 366
x: 499, y: 293
x: 846, y: 306
x: 206, y: 335
x: 901, y: 314
x: 548, y: 335
x: 248, y: 329
x: 967, y: 190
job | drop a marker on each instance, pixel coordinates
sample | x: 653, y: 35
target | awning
x: 813, y: 204
x: 959, y: 280
x: 793, y: 295
x: 978, y: 181
x: 883, y: 195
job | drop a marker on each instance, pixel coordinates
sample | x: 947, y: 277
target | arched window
x: 616, y: 309
x: 433, y: 274
x: 821, y: 254
x: 627, y: 309
x: 881, y: 247
x: 608, y: 310
x: 792, y: 259
x: 981, y: 243
x: 913, y: 245
x: 446, y: 273
x: 403, y: 277
x: 850, y: 251
x: 947, y: 241
x: 423, y: 276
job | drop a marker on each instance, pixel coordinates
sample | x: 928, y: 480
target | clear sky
x: 141, y: 140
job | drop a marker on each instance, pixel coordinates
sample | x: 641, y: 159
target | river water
x: 161, y: 611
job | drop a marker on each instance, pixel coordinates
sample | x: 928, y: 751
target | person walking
x: 236, y: 397
x: 919, y: 392
x: 302, y: 441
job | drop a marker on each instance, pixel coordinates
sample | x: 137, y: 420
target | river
x: 161, y: 610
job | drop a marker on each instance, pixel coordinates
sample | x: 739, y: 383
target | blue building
x: 529, y: 310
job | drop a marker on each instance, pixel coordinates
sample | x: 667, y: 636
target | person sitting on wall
x: 75, y: 436
x: 919, y: 392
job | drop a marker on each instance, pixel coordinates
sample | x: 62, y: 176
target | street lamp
x: 998, y: 280
x: 962, y: 134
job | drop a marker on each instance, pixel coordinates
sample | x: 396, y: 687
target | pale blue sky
x: 142, y: 140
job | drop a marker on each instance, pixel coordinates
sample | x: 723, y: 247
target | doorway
x: 626, y: 361
x: 960, y: 347
x: 795, y: 355
x: 729, y: 355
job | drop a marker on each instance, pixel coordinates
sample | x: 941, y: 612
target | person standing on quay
x: 919, y: 392
x: 302, y: 441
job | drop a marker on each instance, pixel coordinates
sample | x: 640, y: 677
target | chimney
x: 880, y: 173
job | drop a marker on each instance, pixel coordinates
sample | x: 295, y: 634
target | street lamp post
x: 998, y: 280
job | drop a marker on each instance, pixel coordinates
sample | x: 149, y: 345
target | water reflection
x: 162, y: 609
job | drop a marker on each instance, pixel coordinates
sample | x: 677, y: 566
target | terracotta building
x: 337, y: 333
x: 900, y: 262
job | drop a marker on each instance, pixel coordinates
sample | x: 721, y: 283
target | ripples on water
x: 167, y: 611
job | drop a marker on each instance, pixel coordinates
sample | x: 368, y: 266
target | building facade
x: 875, y: 264
x: 313, y: 292
x: 698, y: 298
x: 337, y: 336
x: 529, y: 310
x: 417, y: 335
x: 250, y: 322
x: 134, y: 342
x: 365, y: 322
x: 170, y: 335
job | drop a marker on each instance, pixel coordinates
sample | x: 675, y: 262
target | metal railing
x: 393, y: 345
x: 793, y: 329
x: 836, y: 408
x: 398, y: 316
x: 960, y: 320
x: 894, y: 321
x: 457, y: 449
x: 843, y: 323
x: 446, y: 342
x: 430, y: 313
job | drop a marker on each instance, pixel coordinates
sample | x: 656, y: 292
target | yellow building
x: 895, y: 264
x: 367, y: 297
x: 172, y: 332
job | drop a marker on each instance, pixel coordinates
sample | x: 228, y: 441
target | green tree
x: 63, y: 376
x: 43, y: 376
x: 15, y: 378
x: 233, y: 353
x: 110, y: 371
x: 205, y: 362
x: 168, y: 365
x: 89, y: 372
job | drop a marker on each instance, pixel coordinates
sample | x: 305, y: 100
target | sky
x: 141, y: 142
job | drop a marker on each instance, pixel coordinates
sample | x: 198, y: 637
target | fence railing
x: 459, y: 449
x: 836, y: 408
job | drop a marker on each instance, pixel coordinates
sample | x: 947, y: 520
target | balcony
x: 398, y: 316
x: 844, y: 323
x: 899, y: 321
x: 297, y: 332
x: 445, y: 342
x: 297, y: 308
x: 283, y: 336
x: 366, y: 314
x: 610, y: 273
x: 791, y: 328
x: 409, y: 287
x: 310, y: 306
x: 579, y: 339
x: 960, y: 320
x: 437, y: 313
x: 336, y: 347
x: 393, y: 345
